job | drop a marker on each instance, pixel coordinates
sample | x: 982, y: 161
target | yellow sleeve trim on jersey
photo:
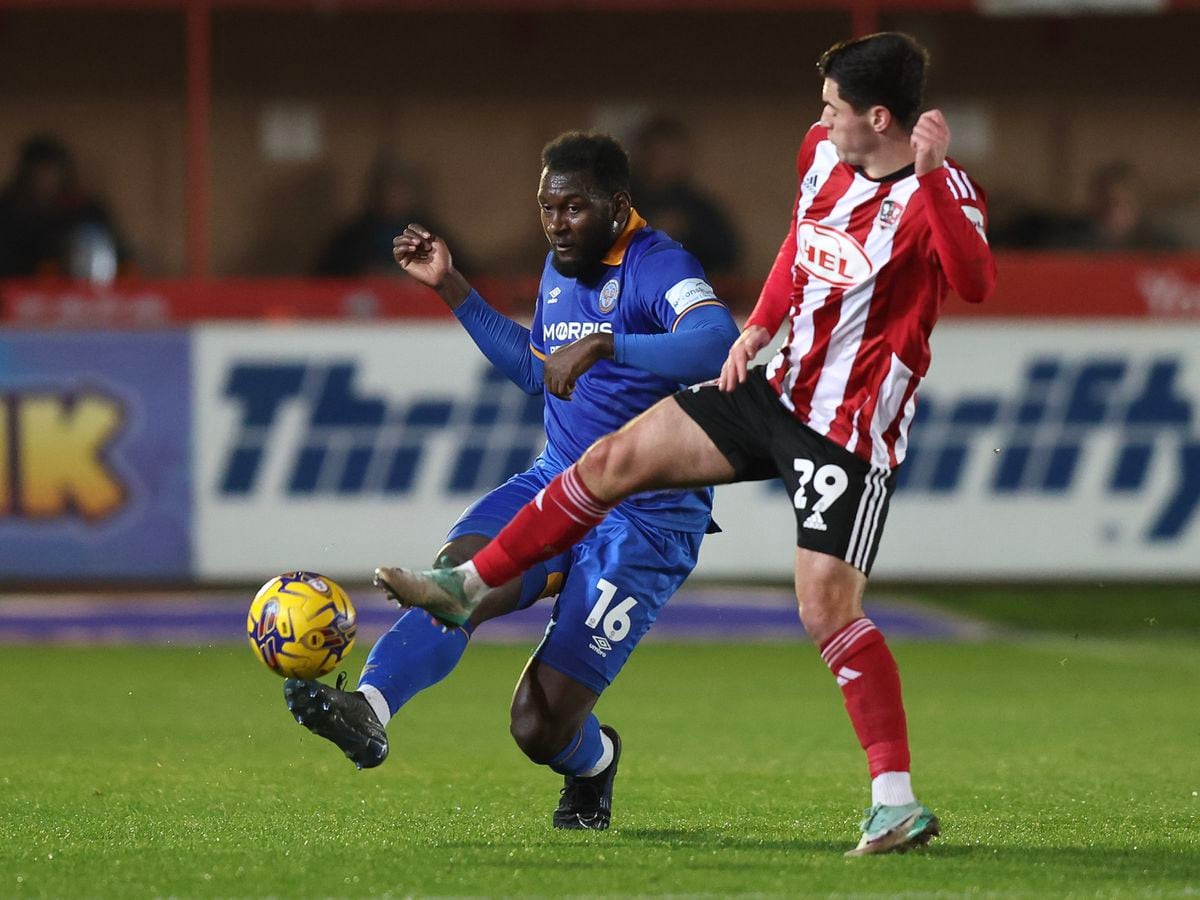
x: 695, y: 306
x: 616, y: 253
x: 538, y: 353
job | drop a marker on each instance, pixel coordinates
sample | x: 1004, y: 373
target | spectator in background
x: 669, y: 200
x: 1116, y: 219
x: 395, y: 196
x: 1117, y: 216
x: 49, y: 225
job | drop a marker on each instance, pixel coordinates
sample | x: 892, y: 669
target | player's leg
x: 620, y: 577
x: 841, y: 504
x: 662, y: 448
x: 419, y: 650
x: 553, y: 724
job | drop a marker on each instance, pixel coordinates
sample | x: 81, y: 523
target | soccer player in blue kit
x: 624, y: 317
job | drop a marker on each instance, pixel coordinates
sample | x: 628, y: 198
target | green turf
x: 1064, y: 767
x: 1139, y: 611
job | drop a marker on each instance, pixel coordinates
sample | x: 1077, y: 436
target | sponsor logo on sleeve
x: 975, y: 217
x: 688, y: 293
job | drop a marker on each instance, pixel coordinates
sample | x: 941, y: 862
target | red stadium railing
x: 1030, y: 285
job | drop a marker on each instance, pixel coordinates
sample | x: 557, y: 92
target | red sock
x: 867, y: 674
x: 553, y: 521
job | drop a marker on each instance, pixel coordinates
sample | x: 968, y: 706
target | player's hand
x: 422, y: 255
x: 741, y: 354
x: 564, y: 366
x: 930, y: 141
x: 425, y: 257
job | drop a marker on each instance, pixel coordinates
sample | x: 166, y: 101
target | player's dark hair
x: 885, y: 69
x: 598, y: 155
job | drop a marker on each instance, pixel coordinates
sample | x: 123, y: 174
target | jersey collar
x: 616, y: 253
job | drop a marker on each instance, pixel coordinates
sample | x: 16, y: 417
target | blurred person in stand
x: 396, y: 195
x: 49, y: 225
x: 1118, y: 218
x: 667, y: 194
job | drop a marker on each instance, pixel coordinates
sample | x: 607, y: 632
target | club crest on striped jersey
x: 889, y: 213
x: 609, y: 294
x: 832, y: 255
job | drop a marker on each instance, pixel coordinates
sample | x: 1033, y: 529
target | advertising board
x: 95, y: 478
x: 1049, y: 450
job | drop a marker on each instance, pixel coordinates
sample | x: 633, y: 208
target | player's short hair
x: 885, y: 69
x: 598, y: 155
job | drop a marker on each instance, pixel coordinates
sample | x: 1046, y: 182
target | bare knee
x: 539, y: 736
x: 823, y: 616
x: 612, y: 468
x: 829, y: 593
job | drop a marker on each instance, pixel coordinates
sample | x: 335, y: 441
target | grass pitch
x: 1059, y: 765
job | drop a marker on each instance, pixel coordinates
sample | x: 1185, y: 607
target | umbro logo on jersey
x: 552, y: 297
x: 599, y: 645
x: 846, y: 675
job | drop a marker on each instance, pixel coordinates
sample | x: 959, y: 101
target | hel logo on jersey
x: 831, y: 255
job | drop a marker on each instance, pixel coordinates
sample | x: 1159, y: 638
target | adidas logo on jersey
x: 809, y: 184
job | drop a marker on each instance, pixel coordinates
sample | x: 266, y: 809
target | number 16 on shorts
x: 615, y: 620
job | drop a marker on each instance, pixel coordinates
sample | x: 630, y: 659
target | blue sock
x: 582, y: 752
x: 537, y: 581
x: 417, y: 653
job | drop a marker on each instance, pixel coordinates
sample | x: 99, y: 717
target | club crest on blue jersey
x: 609, y: 294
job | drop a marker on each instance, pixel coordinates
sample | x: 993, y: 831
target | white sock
x: 606, y: 756
x: 472, y: 583
x: 378, y: 702
x: 892, y: 789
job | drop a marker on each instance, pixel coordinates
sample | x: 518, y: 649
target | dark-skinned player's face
x: 578, y: 221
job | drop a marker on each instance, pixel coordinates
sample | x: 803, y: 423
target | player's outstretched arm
x: 425, y: 257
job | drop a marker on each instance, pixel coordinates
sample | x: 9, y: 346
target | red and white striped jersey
x: 862, y: 276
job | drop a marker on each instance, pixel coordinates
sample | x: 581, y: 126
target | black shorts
x: 841, y: 500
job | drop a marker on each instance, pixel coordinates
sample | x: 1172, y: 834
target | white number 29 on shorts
x: 829, y: 481
x: 616, y: 623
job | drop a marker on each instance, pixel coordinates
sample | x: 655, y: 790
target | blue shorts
x: 614, y: 581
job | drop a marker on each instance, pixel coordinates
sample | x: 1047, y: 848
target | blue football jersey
x: 648, y: 283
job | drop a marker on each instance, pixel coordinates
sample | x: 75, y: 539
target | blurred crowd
x: 53, y: 225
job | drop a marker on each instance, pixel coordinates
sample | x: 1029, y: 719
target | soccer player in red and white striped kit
x: 884, y: 226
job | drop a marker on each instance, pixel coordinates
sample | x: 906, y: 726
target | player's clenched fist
x: 930, y: 141
x: 425, y: 257
x: 421, y: 254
